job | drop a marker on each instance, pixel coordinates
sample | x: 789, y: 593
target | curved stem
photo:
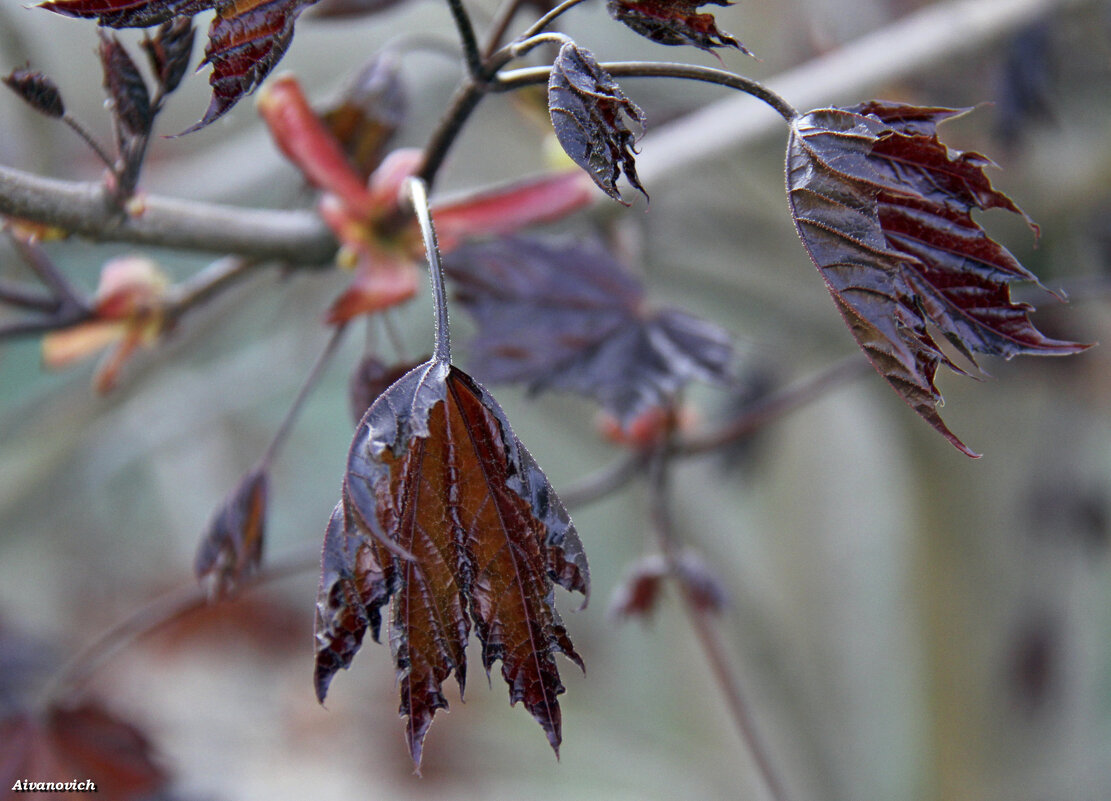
x: 307, y: 387
x: 157, y: 613
x: 549, y: 18
x: 418, y: 193
x: 89, y: 139
x: 466, y: 100
x: 499, y: 25
x: 708, y: 639
x: 467, y: 36
x: 515, y: 79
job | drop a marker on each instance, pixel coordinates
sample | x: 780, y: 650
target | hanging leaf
x: 38, y: 91
x: 445, y: 515
x: 639, y: 592
x: 246, y: 39
x: 674, y: 22
x: 369, y: 112
x: 169, y: 51
x: 591, y: 117
x: 436, y: 470
x: 885, y: 211
x: 568, y: 316
x: 80, y: 744
x: 231, y: 550
x: 127, y: 91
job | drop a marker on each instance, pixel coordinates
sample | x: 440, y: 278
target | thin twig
x: 157, y: 613
x: 529, y: 76
x: 499, y: 25
x: 199, y: 288
x: 604, y: 482
x: 467, y: 36
x: 549, y: 18
x: 311, y: 380
x: 89, y: 139
x: 706, y: 633
x: 25, y: 298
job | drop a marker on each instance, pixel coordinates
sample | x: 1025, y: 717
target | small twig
x: 549, y: 18
x: 311, y: 380
x: 530, y: 76
x: 705, y: 632
x: 22, y: 297
x: 776, y: 405
x: 198, y: 288
x: 467, y: 36
x: 48, y: 273
x: 499, y: 25
x: 604, y: 482
x: 157, y: 613
x: 89, y: 139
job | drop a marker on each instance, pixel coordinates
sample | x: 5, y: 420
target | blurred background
x: 907, y: 623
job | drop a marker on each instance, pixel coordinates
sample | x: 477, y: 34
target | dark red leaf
x: 78, y: 744
x: 639, y: 592
x: 369, y: 112
x: 371, y: 378
x: 568, y: 316
x: 169, y: 51
x: 127, y: 91
x: 129, y: 13
x: 38, y: 91
x: 885, y: 211
x: 674, y: 22
x: 445, y: 513
x: 591, y: 117
x: 246, y: 40
x: 232, y: 548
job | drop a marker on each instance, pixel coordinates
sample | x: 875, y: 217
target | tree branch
x: 85, y: 208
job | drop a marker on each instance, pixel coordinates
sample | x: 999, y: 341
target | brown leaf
x: 231, y: 550
x: 591, y: 117
x: 129, y: 13
x: 369, y: 112
x: 127, y: 91
x: 568, y: 316
x: 85, y: 743
x: 674, y: 22
x: 445, y: 513
x: 885, y: 212
x: 169, y: 51
x: 38, y: 91
x: 370, y: 379
x: 639, y: 592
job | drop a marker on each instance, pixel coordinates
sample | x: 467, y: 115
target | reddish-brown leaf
x: 38, y: 91
x: 231, y: 550
x: 447, y: 514
x: 369, y: 112
x: 371, y: 378
x: 246, y: 40
x: 591, y: 118
x: 568, y: 316
x: 169, y: 51
x: 127, y: 91
x: 78, y: 744
x: 885, y: 212
x: 674, y: 22
x: 129, y: 13
x: 639, y: 592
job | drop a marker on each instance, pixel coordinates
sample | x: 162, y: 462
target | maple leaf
x: 78, y: 743
x: 591, y: 115
x: 568, y: 316
x: 674, y: 22
x: 445, y: 515
x: 246, y: 38
x: 231, y: 550
x: 885, y: 211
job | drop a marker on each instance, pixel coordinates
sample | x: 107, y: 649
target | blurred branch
x: 86, y: 208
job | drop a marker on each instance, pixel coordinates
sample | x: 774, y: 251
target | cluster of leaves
x: 445, y: 522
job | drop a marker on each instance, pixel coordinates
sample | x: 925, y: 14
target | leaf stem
x: 156, y: 613
x: 467, y: 36
x: 87, y: 137
x: 311, y: 380
x: 418, y: 193
x: 530, y: 76
x: 549, y: 18
x: 499, y: 25
x: 708, y: 639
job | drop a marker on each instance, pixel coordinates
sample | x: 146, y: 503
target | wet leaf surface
x: 885, y: 212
